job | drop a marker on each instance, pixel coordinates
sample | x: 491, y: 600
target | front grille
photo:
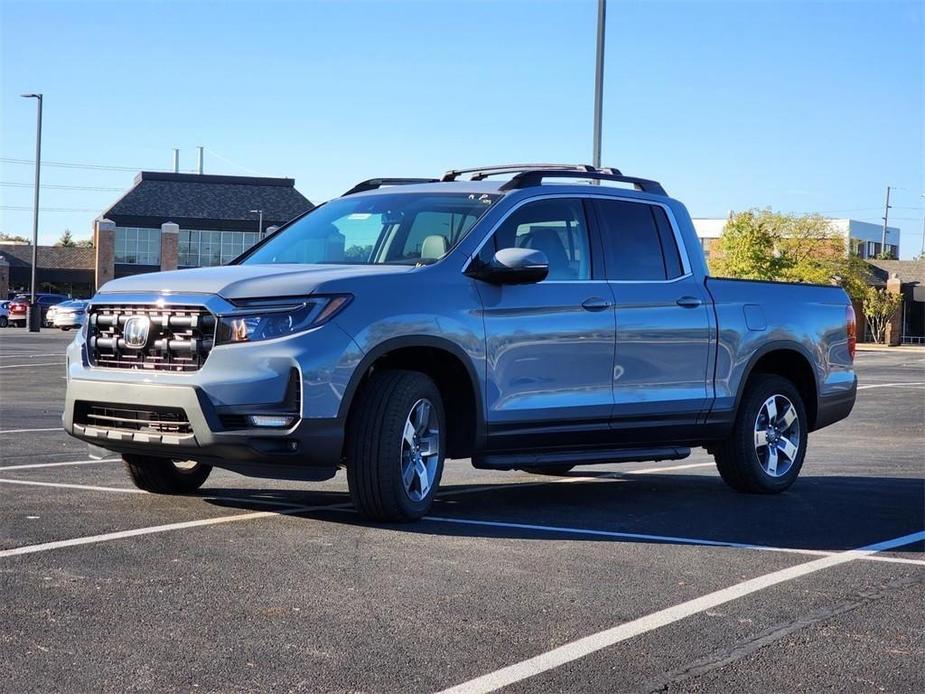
x: 148, y: 419
x: 179, y: 337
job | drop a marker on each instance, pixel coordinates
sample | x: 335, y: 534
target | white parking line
x: 892, y: 385
x: 29, y: 431
x: 107, y: 537
x: 68, y: 462
x: 649, y: 470
x: 65, y: 485
x: 24, y: 366
x: 672, y: 539
x: 16, y: 355
x: 603, y: 639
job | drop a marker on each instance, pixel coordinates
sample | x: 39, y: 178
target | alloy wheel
x: 420, y: 450
x: 777, y: 435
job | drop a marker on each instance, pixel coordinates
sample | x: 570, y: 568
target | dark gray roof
x: 57, y: 257
x: 207, y: 201
x: 908, y: 271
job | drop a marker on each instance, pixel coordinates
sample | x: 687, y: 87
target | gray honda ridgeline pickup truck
x: 532, y: 322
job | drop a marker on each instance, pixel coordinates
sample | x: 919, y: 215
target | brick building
x: 172, y: 220
x: 60, y: 270
x: 906, y: 277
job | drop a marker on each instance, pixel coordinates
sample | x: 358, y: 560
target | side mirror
x: 512, y: 266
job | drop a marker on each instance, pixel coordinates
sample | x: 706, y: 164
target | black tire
x: 552, y: 470
x: 737, y: 457
x: 163, y: 476
x: 4, y: 321
x: 374, y: 445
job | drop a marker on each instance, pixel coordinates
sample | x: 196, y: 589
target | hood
x: 246, y: 281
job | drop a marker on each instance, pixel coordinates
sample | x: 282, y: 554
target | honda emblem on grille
x: 136, y: 331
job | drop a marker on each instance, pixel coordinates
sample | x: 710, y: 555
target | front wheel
x: 162, y: 476
x: 395, y: 446
x: 4, y: 321
x: 765, y: 451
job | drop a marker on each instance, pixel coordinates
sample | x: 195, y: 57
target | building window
x: 138, y: 246
x: 201, y: 248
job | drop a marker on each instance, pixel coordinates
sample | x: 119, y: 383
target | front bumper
x: 233, y: 382
x: 311, y: 442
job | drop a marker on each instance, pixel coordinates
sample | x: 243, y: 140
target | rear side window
x: 639, y: 241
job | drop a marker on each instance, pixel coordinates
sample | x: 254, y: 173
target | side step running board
x: 598, y: 456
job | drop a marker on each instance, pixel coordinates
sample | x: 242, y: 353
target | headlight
x: 277, y: 318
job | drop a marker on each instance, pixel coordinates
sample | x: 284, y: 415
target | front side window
x: 556, y: 227
x: 391, y: 228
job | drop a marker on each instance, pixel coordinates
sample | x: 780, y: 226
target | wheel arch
x: 452, y: 370
x: 792, y: 361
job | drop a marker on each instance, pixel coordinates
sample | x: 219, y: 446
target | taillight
x: 851, y: 325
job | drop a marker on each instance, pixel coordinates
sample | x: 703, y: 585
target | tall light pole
x: 599, y: 82
x: 259, y: 223
x: 34, y: 323
x: 886, y: 217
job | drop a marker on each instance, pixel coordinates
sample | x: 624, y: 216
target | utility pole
x: 886, y: 218
x: 200, y: 162
x: 176, y: 160
x: 35, y: 323
x: 599, y: 82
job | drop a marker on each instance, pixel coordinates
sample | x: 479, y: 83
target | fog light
x: 270, y: 420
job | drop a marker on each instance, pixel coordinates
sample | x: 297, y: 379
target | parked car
x: 68, y: 314
x: 516, y: 323
x: 20, y: 306
x: 4, y: 313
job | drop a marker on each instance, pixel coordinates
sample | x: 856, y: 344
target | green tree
x: 767, y: 245
x: 66, y: 240
x: 879, y: 308
x: 85, y: 243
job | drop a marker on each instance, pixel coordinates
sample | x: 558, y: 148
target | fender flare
x: 404, y: 341
x: 778, y: 346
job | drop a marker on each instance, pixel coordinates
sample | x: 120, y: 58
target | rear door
x: 549, y: 345
x: 662, y: 321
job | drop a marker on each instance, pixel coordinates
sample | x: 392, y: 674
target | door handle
x: 595, y: 303
x: 690, y: 302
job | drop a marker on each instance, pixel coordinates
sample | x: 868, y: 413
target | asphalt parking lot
x: 635, y: 577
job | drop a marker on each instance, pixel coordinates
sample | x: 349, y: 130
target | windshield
x: 394, y: 228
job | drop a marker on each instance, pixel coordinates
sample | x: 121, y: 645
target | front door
x: 663, y: 325
x: 549, y: 345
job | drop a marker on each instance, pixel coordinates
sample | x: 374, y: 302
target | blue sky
x: 802, y: 106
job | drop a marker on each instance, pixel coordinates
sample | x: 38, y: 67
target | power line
x: 28, y: 208
x: 82, y: 165
x: 52, y: 186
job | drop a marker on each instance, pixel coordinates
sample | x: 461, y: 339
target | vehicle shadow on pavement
x: 817, y: 513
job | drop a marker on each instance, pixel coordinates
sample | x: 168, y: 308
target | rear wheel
x: 4, y: 321
x: 765, y: 451
x: 395, y: 446
x: 162, y: 476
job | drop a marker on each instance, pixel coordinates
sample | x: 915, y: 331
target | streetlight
x: 599, y: 82
x: 259, y: 223
x: 35, y: 323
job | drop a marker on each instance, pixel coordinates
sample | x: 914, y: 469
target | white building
x: 862, y: 238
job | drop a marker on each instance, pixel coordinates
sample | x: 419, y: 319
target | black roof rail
x: 373, y: 183
x: 535, y: 177
x: 481, y: 172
